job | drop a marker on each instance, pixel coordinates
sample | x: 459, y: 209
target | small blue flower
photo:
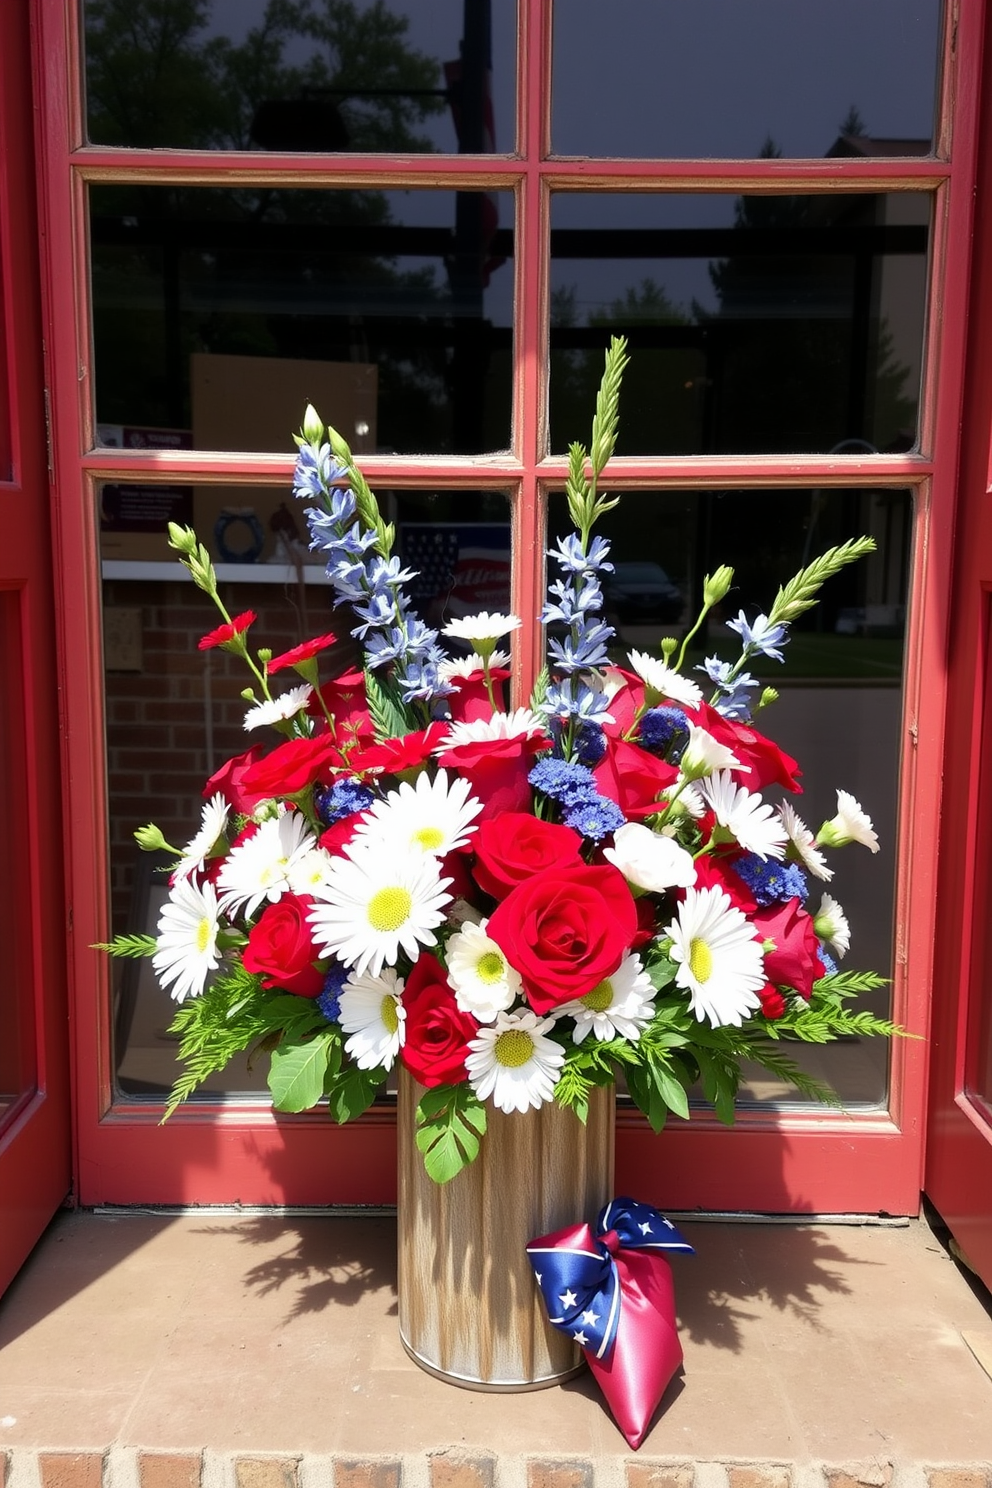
x: 342, y: 799
x: 662, y: 729
x: 771, y: 882
x: 595, y: 818
x: 760, y: 636
x: 829, y: 964
x: 329, y: 1000
x: 563, y: 782
x: 590, y: 743
x: 572, y: 557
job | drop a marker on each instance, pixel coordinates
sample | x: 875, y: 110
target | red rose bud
x: 437, y: 1031
x: 512, y: 847
x: 772, y: 1001
x: 795, y: 961
x: 564, y: 930
x: 281, y: 948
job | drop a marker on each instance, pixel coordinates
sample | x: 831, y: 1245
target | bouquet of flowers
x: 517, y: 903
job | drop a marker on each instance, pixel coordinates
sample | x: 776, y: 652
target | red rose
x: 347, y: 704
x: 229, y: 780
x: 291, y: 767
x: 633, y: 778
x: 795, y: 961
x: 768, y: 765
x: 715, y: 871
x: 512, y: 847
x: 281, y: 947
x: 497, y: 770
x: 437, y: 1031
x: 626, y: 704
x: 470, y: 699
x: 564, y: 930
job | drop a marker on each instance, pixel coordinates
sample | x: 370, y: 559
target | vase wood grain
x: 469, y: 1308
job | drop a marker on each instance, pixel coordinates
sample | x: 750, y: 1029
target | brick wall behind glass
x: 160, y: 718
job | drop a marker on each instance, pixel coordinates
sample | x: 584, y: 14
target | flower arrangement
x: 518, y: 904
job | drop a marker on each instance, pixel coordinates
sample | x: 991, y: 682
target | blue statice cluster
x: 664, y: 731
x: 373, y: 585
x: 574, y: 789
x: 329, y: 1001
x: 342, y: 799
x: 576, y: 601
x: 769, y: 881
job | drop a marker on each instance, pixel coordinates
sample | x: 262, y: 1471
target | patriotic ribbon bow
x: 577, y: 1271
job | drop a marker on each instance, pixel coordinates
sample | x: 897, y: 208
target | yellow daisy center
x: 600, y: 998
x: 203, y: 934
x: 429, y: 838
x: 490, y: 967
x: 513, y: 1048
x: 274, y: 872
x: 389, y: 908
x: 700, y: 960
x: 387, y: 1012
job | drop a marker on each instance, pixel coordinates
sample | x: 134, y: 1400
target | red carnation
x: 291, y: 767
x: 437, y: 1031
x: 281, y: 947
x: 224, y: 634
x: 795, y: 961
x: 393, y: 756
x: 513, y: 846
x: 564, y: 930
x: 306, y: 651
x: 772, y: 1002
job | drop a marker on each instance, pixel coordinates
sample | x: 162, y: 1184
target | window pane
x: 396, y: 308
x: 722, y: 79
x: 174, y: 714
x: 400, y: 76
x: 840, y: 687
x: 758, y: 323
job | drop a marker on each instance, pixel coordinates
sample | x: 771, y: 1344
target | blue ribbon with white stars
x: 578, y: 1274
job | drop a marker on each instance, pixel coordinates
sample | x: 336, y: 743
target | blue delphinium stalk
x: 734, y: 686
x: 348, y: 528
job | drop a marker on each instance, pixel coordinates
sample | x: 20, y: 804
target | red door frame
x: 771, y: 1161
x: 35, y: 1158
x: 959, y: 1153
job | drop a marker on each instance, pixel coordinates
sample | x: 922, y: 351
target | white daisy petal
x: 375, y: 902
x: 260, y: 867
x: 432, y: 816
x: 851, y: 824
x: 619, y: 1007
x: 213, y: 825
x: 802, y: 846
x: 520, y: 724
x: 514, y: 1062
x: 752, y: 821
x: 462, y: 667
x: 187, y: 939
x: 481, y: 627
x: 830, y: 924
x: 484, y: 981
x: 661, y: 679
x: 703, y: 754
x: 372, y: 1013
x: 720, y: 959
x: 287, y: 705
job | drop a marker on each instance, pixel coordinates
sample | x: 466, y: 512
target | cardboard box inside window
x: 257, y: 403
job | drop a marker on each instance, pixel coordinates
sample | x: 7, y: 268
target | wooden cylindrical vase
x: 469, y: 1308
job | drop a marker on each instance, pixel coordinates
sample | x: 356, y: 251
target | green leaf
x: 296, y: 1075
x: 390, y: 716
x: 128, y: 945
x: 352, y: 1090
x: 645, y: 1096
x: 450, y: 1121
x: 670, y: 1089
x: 540, y: 690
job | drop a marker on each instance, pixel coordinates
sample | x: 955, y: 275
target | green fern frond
x: 800, y: 592
x: 134, y: 946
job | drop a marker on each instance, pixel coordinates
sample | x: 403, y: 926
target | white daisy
x: 372, y: 1013
x: 703, y: 754
x: 187, y: 939
x: 620, y: 1006
x: 661, y: 679
x: 520, y: 724
x: 467, y: 666
x: 482, y: 627
x: 851, y: 824
x: 260, y: 867
x: 514, y: 1063
x: 286, y: 705
x: 830, y: 924
x: 687, y: 802
x: 376, y: 901
x: 802, y: 845
x: 484, y: 981
x: 428, y: 817
x: 752, y: 821
x: 309, y: 872
x: 648, y: 860
x: 213, y: 824
x: 721, y: 964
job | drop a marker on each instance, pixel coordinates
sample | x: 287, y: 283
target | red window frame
x: 777, y: 1161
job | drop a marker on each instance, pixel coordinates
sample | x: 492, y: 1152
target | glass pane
x: 758, y: 323
x: 840, y: 687
x: 218, y: 314
x: 174, y: 714
x: 18, y: 1066
x: 400, y: 76
x: 722, y: 79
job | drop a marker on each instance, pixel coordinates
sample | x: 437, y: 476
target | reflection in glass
x: 722, y: 79
x: 395, y: 307
x: 18, y: 1067
x: 759, y: 323
x: 318, y: 76
x: 174, y: 714
x: 840, y: 688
